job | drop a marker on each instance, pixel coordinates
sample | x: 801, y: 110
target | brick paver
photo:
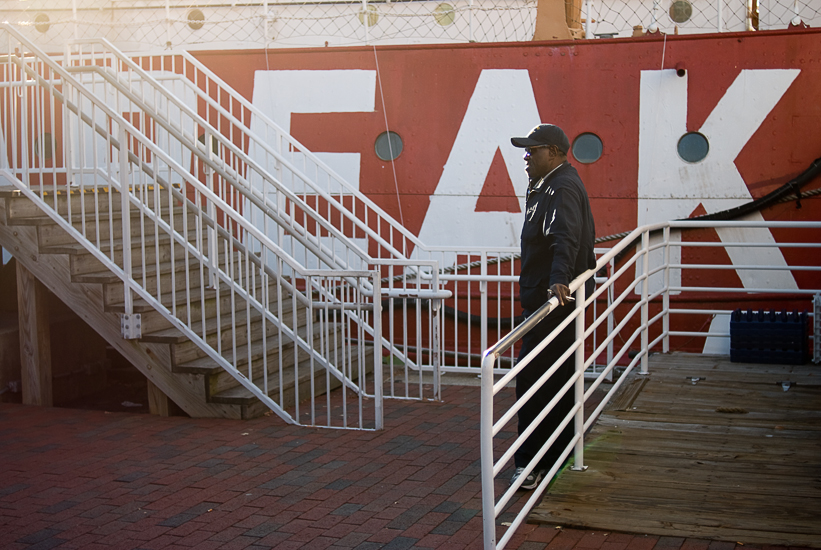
x: 76, y: 479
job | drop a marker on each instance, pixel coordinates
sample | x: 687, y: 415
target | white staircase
x: 217, y: 315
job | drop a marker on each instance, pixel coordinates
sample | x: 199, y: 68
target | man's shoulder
x: 566, y: 177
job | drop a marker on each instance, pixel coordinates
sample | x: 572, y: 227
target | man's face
x: 538, y: 161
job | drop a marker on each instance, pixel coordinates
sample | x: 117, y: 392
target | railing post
x: 483, y: 300
x: 436, y: 344
x: 168, y: 24
x: 486, y: 452
x: 611, y: 320
x: 377, y: 349
x: 265, y: 21
x: 666, y: 295
x: 126, y: 219
x: 74, y: 17
x: 212, y: 245
x: 588, y: 27
x: 645, y: 290
x: 366, y: 20
x: 581, y: 296
x: 719, y: 17
x: 470, y: 20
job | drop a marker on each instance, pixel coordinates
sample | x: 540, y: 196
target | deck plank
x: 732, y: 457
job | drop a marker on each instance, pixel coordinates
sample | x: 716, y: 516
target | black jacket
x: 557, y: 237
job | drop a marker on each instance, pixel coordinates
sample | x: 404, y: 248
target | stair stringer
x: 86, y: 300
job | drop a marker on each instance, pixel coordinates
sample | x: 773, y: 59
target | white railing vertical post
x: 581, y: 296
x: 719, y: 16
x: 588, y: 27
x: 168, y: 24
x: 611, y: 320
x: 75, y: 21
x: 377, y: 349
x: 483, y: 300
x: 436, y: 351
x: 211, y: 234
x: 470, y: 21
x: 436, y: 344
x: 486, y: 452
x: 366, y: 20
x: 265, y: 23
x: 645, y: 291
x: 126, y: 219
x: 666, y: 296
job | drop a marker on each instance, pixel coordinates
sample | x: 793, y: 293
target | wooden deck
x: 731, y: 456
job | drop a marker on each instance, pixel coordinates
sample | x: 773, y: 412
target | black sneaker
x: 531, y: 481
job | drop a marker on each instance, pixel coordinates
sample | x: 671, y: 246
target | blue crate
x: 776, y: 337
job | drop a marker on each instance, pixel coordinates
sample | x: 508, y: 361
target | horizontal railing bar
x: 738, y: 244
x: 742, y: 290
x: 747, y: 267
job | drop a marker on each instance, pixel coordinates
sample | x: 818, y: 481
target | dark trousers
x: 527, y: 378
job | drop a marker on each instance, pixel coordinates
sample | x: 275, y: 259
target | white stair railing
x: 652, y: 301
x: 321, y: 216
x: 140, y: 212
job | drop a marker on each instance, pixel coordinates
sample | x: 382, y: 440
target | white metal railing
x: 181, y: 247
x: 658, y: 303
x: 286, y: 191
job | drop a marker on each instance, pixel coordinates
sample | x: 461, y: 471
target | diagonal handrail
x: 128, y: 133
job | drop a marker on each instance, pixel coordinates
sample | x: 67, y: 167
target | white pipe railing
x: 305, y: 195
x: 635, y: 312
x: 292, y: 316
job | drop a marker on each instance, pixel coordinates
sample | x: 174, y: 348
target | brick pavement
x: 76, y: 479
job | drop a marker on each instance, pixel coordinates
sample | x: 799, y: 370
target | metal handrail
x: 635, y: 321
x: 128, y: 132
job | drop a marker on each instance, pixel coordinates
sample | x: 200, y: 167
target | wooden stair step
x: 20, y: 207
x: 110, y: 226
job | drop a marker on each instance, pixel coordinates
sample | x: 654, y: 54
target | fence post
x: 581, y: 296
x: 377, y: 350
x: 126, y: 219
x: 470, y: 19
x: 483, y: 300
x: 486, y: 452
x: 719, y: 21
x: 74, y: 17
x: 645, y: 312
x: 666, y: 296
x: 168, y: 24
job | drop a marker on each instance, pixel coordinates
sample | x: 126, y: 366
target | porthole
x: 215, y: 143
x: 587, y: 148
x: 42, y: 146
x: 444, y: 14
x: 196, y: 19
x: 388, y: 146
x: 681, y: 11
x: 373, y: 16
x: 693, y: 147
x: 42, y: 22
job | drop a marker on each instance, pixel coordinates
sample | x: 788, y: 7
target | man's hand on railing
x: 562, y: 292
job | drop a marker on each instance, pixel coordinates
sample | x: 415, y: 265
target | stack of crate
x: 776, y: 337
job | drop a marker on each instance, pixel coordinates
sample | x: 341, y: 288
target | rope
x: 388, y: 133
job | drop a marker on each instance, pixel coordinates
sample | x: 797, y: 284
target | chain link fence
x: 140, y: 25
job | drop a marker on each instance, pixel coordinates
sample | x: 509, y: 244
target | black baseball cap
x: 544, y: 134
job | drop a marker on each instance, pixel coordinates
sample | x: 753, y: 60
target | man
x: 557, y: 246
